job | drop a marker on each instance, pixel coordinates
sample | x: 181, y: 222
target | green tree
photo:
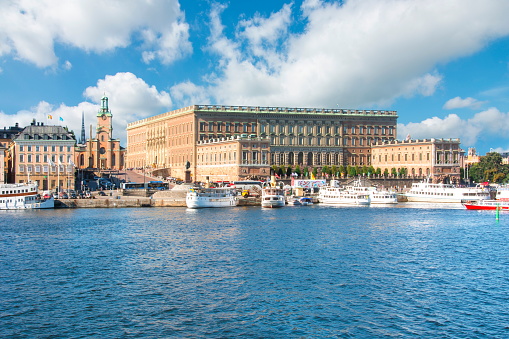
x: 298, y: 170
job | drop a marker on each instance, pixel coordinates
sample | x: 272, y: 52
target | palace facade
x: 308, y: 137
x: 438, y: 159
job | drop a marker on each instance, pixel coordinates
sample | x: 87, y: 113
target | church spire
x: 82, y: 139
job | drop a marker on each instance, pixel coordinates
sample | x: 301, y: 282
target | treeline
x: 338, y: 171
x: 489, y: 168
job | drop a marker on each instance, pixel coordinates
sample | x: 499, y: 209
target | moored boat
x: 211, y: 197
x: 446, y: 193
x: 487, y: 205
x: 23, y: 196
x: 300, y: 201
x: 376, y: 196
x: 273, y: 197
x: 331, y: 195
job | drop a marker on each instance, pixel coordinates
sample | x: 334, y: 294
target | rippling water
x: 295, y: 272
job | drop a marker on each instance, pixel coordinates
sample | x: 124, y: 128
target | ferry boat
x: 23, y: 196
x: 376, y: 196
x: 446, y: 193
x: 487, y: 205
x: 198, y: 197
x: 273, y: 197
x: 331, y: 195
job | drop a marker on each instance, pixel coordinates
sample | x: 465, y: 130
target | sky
x: 443, y: 65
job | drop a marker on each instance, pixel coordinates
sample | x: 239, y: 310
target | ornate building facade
x: 310, y: 137
x: 102, y: 152
x: 435, y: 158
x: 44, y: 153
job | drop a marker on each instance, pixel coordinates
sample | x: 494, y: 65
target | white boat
x: 23, y: 196
x: 300, y: 201
x: 273, y: 197
x: 376, y: 196
x: 211, y: 197
x: 332, y: 195
x: 446, y: 193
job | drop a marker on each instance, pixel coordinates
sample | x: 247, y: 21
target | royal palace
x: 237, y: 142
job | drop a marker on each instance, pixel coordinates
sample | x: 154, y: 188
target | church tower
x: 82, y: 138
x: 104, y: 131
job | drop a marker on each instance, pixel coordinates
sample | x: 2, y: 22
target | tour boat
x: 376, y: 196
x: 487, y: 205
x: 211, y: 197
x: 273, y: 197
x: 23, y: 196
x: 331, y: 195
x: 447, y: 193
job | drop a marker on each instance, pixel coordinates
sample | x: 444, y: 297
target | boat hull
x: 487, y: 205
x: 210, y: 198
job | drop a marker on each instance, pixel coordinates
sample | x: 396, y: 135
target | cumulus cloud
x: 458, y: 102
x: 30, y: 29
x: 130, y: 99
x: 490, y: 122
x: 352, y: 53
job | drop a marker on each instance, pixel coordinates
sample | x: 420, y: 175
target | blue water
x: 295, y: 272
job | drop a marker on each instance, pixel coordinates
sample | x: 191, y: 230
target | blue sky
x: 442, y: 64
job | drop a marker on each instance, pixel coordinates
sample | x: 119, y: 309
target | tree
x: 289, y: 171
x: 489, y: 168
x: 298, y: 171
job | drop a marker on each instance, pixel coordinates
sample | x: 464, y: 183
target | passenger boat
x: 487, y: 205
x: 198, y: 197
x: 331, y: 195
x: 273, y: 197
x: 23, y: 196
x: 376, y: 196
x: 447, y: 193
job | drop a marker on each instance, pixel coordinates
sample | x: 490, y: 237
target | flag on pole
x: 50, y: 116
x: 61, y: 119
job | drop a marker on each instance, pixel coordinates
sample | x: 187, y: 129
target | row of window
x: 44, y: 148
x: 46, y: 169
x: 237, y: 127
x: 45, y: 158
x: 440, y: 158
x: 324, y: 141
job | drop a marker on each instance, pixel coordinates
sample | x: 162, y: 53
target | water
x: 295, y: 272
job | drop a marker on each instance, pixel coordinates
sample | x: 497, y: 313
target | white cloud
x: 130, y: 99
x: 355, y: 53
x: 458, y: 102
x: 490, y: 122
x: 29, y: 29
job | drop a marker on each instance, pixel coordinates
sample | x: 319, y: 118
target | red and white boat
x: 487, y: 205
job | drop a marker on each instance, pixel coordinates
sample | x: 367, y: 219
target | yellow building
x: 439, y: 159
x: 45, y: 154
x: 308, y: 137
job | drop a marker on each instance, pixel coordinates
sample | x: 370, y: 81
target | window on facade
x: 253, y: 128
x: 353, y: 141
x: 237, y: 125
x: 29, y: 168
x: 29, y: 158
x: 219, y: 126
x: 244, y: 128
x: 318, y: 141
x: 211, y: 127
x: 254, y: 157
x: 37, y: 158
x: 376, y: 129
x: 361, y: 129
x: 361, y: 142
x: 21, y: 168
x: 318, y: 129
x: 227, y: 127
x: 345, y: 130
x: 310, y: 141
x: 345, y: 141
x: 353, y: 130
x: 281, y: 140
x: 301, y: 129
x: 290, y: 129
x: 203, y: 126
x: 301, y: 141
x: 38, y: 168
